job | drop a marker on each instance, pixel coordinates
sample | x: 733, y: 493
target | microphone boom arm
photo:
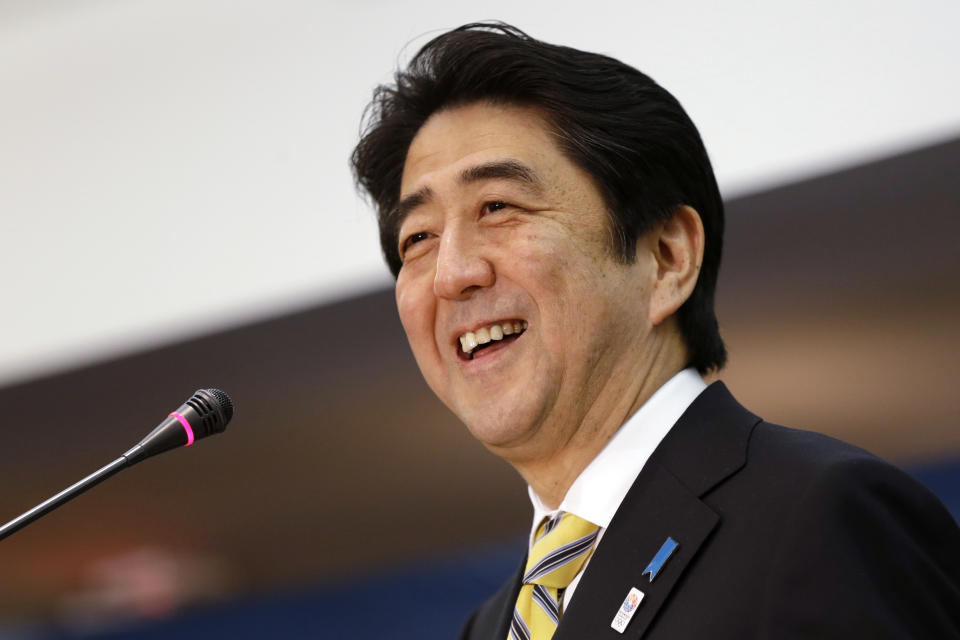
x: 64, y: 496
x: 204, y: 413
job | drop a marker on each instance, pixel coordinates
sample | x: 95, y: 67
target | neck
x: 554, y: 470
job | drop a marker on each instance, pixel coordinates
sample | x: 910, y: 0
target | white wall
x: 174, y: 166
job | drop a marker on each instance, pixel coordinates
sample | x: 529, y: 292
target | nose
x: 461, y: 266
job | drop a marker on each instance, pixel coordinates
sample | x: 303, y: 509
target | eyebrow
x: 409, y: 203
x: 498, y: 170
x: 504, y: 170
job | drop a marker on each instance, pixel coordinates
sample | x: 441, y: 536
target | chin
x: 505, y: 416
x: 498, y: 433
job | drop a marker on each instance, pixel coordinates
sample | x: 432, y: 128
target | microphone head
x: 214, y: 410
x: 204, y: 413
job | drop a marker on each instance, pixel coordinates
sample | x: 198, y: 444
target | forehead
x: 453, y: 141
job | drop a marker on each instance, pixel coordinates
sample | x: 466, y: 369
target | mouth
x: 492, y: 335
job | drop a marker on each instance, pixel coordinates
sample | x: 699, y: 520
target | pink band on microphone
x: 186, y: 427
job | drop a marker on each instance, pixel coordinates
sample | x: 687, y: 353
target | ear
x: 677, y: 246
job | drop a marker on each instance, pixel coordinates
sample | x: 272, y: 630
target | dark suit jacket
x: 782, y: 534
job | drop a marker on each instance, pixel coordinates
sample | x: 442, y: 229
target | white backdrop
x: 169, y: 167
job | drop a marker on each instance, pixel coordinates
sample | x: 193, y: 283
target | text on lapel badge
x: 627, y: 609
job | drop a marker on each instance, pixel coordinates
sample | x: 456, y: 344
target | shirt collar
x: 597, y: 492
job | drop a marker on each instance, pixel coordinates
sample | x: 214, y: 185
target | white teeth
x: 483, y: 335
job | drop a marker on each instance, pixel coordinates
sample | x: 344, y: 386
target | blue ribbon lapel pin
x: 660, y: 559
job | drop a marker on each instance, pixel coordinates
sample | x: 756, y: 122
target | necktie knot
x: 560, y: 550
x: 563, y: 544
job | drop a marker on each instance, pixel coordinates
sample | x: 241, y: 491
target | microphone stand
x: 63, y: 497
x: 209, y: 411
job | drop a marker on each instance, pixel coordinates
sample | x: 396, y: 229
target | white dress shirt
x: 597, y: 492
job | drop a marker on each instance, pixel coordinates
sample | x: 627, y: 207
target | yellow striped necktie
x: 562, y: 546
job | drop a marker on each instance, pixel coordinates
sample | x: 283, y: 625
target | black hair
x: 611, y: 120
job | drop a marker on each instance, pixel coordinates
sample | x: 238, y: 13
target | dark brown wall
x: 837, y: 299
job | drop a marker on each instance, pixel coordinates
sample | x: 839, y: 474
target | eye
x: 494, y: 206
x: 411, y: 240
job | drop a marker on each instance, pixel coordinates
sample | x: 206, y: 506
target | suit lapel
x: 707, y: 445
x: 661, y: 507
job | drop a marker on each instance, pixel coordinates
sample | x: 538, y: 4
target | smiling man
x: 509, y: 275
x: 555, y: 229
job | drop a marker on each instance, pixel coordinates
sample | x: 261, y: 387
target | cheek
x: 415, y: 308
x: 558, y: 275
x: 539, y: 262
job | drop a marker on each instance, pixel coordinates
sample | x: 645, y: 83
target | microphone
x: 204, y: 413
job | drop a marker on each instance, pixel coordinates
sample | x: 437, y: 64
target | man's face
x: 504, y: 237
